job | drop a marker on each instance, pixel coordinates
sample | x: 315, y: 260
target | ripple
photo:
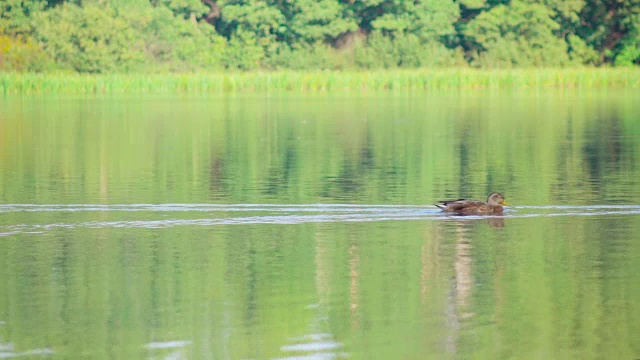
x: 194, y: 207
x: 284, y: 214
x: 167, y: 344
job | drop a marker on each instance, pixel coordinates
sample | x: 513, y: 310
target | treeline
x: 104, y: 36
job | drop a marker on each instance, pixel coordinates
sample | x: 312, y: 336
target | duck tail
x: 441, y: 205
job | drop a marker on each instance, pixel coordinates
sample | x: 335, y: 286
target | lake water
x: 302, y: 227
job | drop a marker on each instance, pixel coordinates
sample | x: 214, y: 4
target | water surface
x: 291, y: 227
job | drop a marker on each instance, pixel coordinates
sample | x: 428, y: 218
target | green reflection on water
x: 537, y: 148
x: 78, y: 284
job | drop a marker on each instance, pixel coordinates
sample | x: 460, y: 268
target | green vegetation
x: 150, y: 36
x: 319, y: 81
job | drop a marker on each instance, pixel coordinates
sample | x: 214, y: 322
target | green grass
x: 320, y: 81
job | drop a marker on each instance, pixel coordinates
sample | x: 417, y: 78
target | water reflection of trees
x: 536, y: 158
x: 583, y: 152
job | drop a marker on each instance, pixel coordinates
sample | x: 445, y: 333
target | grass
x: 320, y: 81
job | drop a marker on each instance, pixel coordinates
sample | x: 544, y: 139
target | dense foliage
x: 95, y: 36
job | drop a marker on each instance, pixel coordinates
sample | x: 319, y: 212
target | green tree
x: 609, y: 26
x: 427, y: 19
x: 187, y: 9
x: 630, y: 46
x: 176, y: 43
x: 567, y: 14
x: 312, y: 21
x: 189, y: 35
x: 254, y: 25
x: 518, y: 34
x: 405, y: 33
x: 254, y: 16
x: 16, y: 16
x: 244, y: 52
x: 89, y: 39
x: 20, y: 53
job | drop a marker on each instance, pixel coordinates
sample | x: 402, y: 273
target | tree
x: 519, y: 34
x: 16, y: 16
x: 187, y: 9
x: 189, y: 35
x: 427, y: 19
x: 255, y: 16
x: 630, y: 45
x: 312, y: 21
x: 176, y: 42
x: 89, y: 39
x: 21, y: 53
x: 610, y: 26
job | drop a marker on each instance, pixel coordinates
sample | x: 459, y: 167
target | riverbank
x: 320, y: 81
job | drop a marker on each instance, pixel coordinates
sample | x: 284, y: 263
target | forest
x: 153, y: 36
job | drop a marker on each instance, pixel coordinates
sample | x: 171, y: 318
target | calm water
x: 295, y: 227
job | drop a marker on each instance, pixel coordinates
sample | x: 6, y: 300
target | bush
x: 243, y: 52
x: 90, y: 39
x: 21, y: 54
x: 405, y: 51
x: 630, y: 53
x: 520, y: 35
x: 176, y: 43
x: 316, y: 56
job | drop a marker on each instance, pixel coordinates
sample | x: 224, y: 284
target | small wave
x: 271, y: 207
x: 199, y: 207
x: 575, y: 207
x: 283, y: 214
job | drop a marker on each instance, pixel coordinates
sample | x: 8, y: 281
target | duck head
x: 496, y: 199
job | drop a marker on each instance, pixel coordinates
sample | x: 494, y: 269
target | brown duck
x: 493, y: 206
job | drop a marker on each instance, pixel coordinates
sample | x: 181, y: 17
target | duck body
x: 493, y: 206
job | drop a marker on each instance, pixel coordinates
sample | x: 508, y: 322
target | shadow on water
x: 160, y: 215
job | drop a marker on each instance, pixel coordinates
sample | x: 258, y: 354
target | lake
x: 286, y: 226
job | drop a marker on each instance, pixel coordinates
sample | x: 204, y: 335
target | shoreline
x: 320, y: 81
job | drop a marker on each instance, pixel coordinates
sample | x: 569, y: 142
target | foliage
x: 427, y: 19
x: 610, y: 26
x: 517, y: 35
x: 580, y: 52
x: 311, y: 21
x: 177, y: 43
x: 405, y: 51
x: 630, y: 47
x: 243, y: 53
x: 16, y: 15
x: 89, y: 39
x: 104, y: 36
x: 307, y: 56
x: 185, y: 9
x: 21, y: 54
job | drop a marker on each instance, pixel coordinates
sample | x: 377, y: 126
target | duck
x: 493, y: 206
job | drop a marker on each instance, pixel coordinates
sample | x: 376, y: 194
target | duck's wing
x: 479, y: 208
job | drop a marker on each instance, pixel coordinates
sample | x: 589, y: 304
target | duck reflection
x: 460, y: 307
x: 463, y: 265
x: 496, y: 221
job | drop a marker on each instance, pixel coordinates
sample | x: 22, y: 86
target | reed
x: 320, y: 81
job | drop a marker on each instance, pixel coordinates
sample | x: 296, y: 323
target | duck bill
x: 504, y: 202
